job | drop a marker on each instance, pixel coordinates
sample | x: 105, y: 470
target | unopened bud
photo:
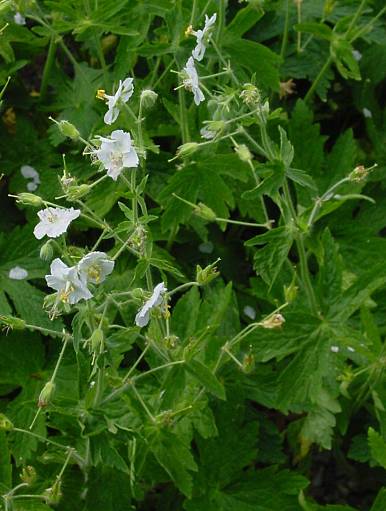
x: 76, y: 192
x: 243, y: 153
x: 290, y: 292
x: 12, y: 323
x: 28, y: 475
x: 205, y: 212
x: 187, y: 149
x: 46, y: 251
x: 148, y: 98
x: 5, y: 423
x: 206, y: 275
x: 171, y: 341
x: 29, y: 199
x: 359, y: 174
x: 68, y: 130
x: 97, y: 341
x: 46, y: 394
x: 274, y: 321
x: 54, y: 494
x: 138, y: 295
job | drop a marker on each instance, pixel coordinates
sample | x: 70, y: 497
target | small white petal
x: 249, y: 312
x: 357, y: 55
x: 206, y: 248
x: 18, y: 273
x: 143, y: 316
x: 334, y: 349
x: 19, y: 19
x: 367, y: 113
x: 350, y: 348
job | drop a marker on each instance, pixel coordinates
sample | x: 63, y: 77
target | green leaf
x: 377, y: 447
x: 5, y: 464
x: 205, y: 376
x: 380, y: 501
x: 316, y: 29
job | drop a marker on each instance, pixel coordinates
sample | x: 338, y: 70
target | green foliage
x: 229, y: 354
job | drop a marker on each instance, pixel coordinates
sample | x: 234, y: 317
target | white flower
x: 206, y: 248
x: 156, y: 299
x: 19, y: 19
x: 191, y: 81
x: 54, y: 221
x: 249, y: 312
x: 367, y: 113
x: 17, y: 273
x: 202, y: 37
x: 124, y: 92
x: 29, y: 172
x: 350, y: 348
x: 335, y: 349
x: 66, y: 281
x: 116, y: 153
x: 94, y: 267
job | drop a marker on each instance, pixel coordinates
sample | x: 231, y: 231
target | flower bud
x: 206, y: 275
x: 148, y: 98
x: 46, y: 394
x: 359, y: 174
x: 187, y: 149
x: 138, y: 294
x: 290, y: 292
x: 68, y: 130
x: 76, y: 192
x: 46, y: 251
x: 171, y: 341
x: 54, y: 494
x: 5, y: 423
x: 12, y: 323
x: 243, y: 153
x: 29, y: 199
x: 274, y: 321
x: 205, y: 212
x: 97, y: 341
x: 28, y: 475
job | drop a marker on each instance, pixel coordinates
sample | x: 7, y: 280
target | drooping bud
x: 12, y: 323
x: 46, y: 394
x: 243, y: 153
x: 28, y: 474
x: 68, y: 130
x: 46, y: 251
x: 97, y: 341
x: 29, y: 199
x: 206, y: 275
x: 187, y: 149
x: 148, y: 98
x: 360, y: 173
x: 274, y: 321
x: 290, y: 292
x: 5, y: 423
x: 248, y: 363
x: 205, y: 212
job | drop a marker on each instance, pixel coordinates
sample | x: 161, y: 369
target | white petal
x: 18, y: 273
x: 130, y: 159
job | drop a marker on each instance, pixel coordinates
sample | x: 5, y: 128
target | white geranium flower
x: 19, y: 19
x: 116, y: 153
x: 156, y: 299
x: 66, y: 281
x: 249, y: 312
x: 367, y: 113
x: 191, y: 81
x: 124, y: 92
x: 17, y: 273
x: 54, y: 221
x: 202, y: 37
x: 29, y: 172
x: 334, y: 349
x: 94, y: 267
x: 357, y: 55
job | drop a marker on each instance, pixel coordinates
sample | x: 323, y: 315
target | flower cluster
x: 190, y: 76
x: 71, y: 283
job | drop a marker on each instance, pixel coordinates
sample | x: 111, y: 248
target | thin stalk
x: 139, y: 397
x: 285, y: 32
x: 299, y: 34
x: 47, y: 68
x: 182, y: 287
x: 183, y: 118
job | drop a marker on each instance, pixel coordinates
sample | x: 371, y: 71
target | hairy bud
x: 46, y: 394
x: 29, y: 199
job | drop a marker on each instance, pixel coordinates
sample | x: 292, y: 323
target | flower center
x: 117, y: 160
x: 65, y: 293
x: 94, y: 272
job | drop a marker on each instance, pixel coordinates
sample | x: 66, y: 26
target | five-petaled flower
x: 157, y: 298
x: 116, y: 153
x: 202, y: 37
x: 190, y: 81
x: 124, y: 92
x: 54, y: 221
x: 67, y: 282
x: 94, y: 267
